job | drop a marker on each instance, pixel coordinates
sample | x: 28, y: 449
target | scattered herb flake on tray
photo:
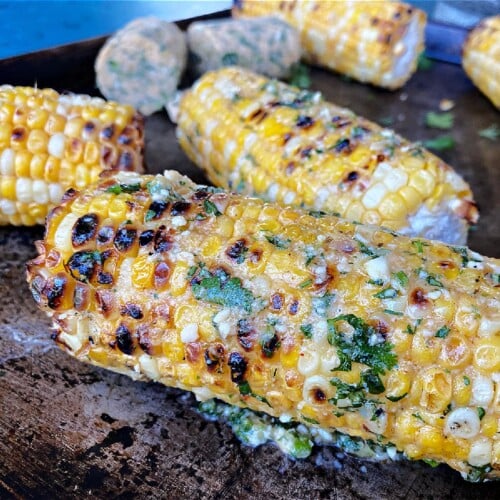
x: 299, y: 76
x: 492, y: 132
x: 424, y: 63
x: 443, y: 121
x: 441, y: 143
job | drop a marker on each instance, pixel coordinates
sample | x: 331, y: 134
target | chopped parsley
x: 377, y: 282
x: 354, y: 393
x: 372, y: 382
x: 418, y: 417
x: 394, y: 399
x: 278, y: 242
x: 306, y: 283
x: 419, y: 245
x: 433, y: 281
x: 431, y: 462
x: 481, y: 412
x: 366, y: 249
x: 299, y: 76
x: 386, y: 293
x: 211, y: 208
x: 413, y: 329
x: 321, y: 304
x: 394, y: 313
x: 309, y: 420
x: 402, y: 278
x: 246, y: 390
x: 492, y: 132
x: 443, y: 121
x: 442, y: 333
x: 477, y: 474
x: 360, y: 347
x: 441, y: 143
x: 466, y: 380
x: 307, y: 330
x: 220, y: 288
x: 123, y: 188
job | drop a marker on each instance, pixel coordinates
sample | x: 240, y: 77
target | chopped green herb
x: 477, y: 474
x: 433, y: 281
x: 402, y: 278
x: 394, y: 313
x: 442, y: 333
x: 244, y: 388
x: 359, y: 347
x: 431, y: 462
x: 191, y: 272
x: 306, y: 283
x: 412, y: 329
x: 307, y: 330
x: 321, y: 304
x: 123, y: 188
x: 443, y: 121
x: 424, y: 63
x: 317, y: 214
x: 386, y: 293
x: 394, y: 399
x: 441, y: 143
x: 466, y: 380
x: 481, y: 412
x: 366, y: 249
x: 219, y: 288
x: 309, y: 420
x: 269, y: 342
x: 299, y: 76
x: 377, y: 282
x: 278, y: 242
x: 418, y: 417
x: 372, y: 382
x: 419, y: 245
x: 492, y: 132
x: 211, y: 208
x: 352, y: 392
x: 150, y: 215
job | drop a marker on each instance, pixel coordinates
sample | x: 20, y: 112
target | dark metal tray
x: 68, y: 430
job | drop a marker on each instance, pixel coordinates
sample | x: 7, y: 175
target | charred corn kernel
x: 309, y: 338
x: 480, y: 58
x: 35, y: 130
x: 376, y: 42
x: 316, y: 158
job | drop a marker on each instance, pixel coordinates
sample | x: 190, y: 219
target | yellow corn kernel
x: 74, y: 127
x: 393, y: 206
x: 82, y: 176
x: 179, y: 279
x: 430, y: 439
x: 259, y: 180
x: 8, y: 188
x: 411, y: 196
x: 224, y: 226
x: 397, y: 384
x: 37, y: 166
x: 99, y: 356
x: 5, y: 134
x: 456, y: 352
x: 489, y: 426
x: 257, y: 256
x: 55, y: 124
x: 290, y: 358
x: 118, y: 208
x: 7, y: 111
x: 371, y: 217
x: 308, y: 411
x: 175, y: 353
x: 423, y: 182
x: 91, y: 153
x: 99, y: 205
x: 37, y: 117
x: 234, y: 210
x: 424, y: 350
x: 108, y: 116
x: 355, y: 211
x: 436, y: 390
x: 487, y: 355
x: 462, y: 389
x: 22, y: 162
x: 142, y: 272
x: 467, y: 319
x: 211, y: 246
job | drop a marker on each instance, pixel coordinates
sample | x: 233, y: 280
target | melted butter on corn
x: 247, y: 303
x: 292, y: 147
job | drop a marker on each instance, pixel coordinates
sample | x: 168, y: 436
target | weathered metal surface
x: 73, y: 431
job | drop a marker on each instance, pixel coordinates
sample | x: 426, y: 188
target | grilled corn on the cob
x: 50, y: 142
x: 376, y: 42
x: 481, y: 58
x: 264, y: 138
x: 320, y: 320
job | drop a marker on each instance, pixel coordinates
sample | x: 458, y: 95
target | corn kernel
x: 91, y: 153
x: 211, y: 246
x: 225, y: 226
x: 430, y: 439
x: 487, y: 355
x: 424, y: 350
x: 142, y: 272
x: 74, y: 127
x: 289, y: 359
x: 397, y: 384
x: 8, y: 188
x: 489, y: 426
x: 456, y: 352
x: 22, y: 162
x: 37, y: 117
x: 462, y: 389
x: 411, y: 197
x: 423, y: 182
x: 393, y: 207
x: 436, y: 390
x: 55, y: 124
x: 178, y: 279
x: 5, y: 134
x: 118, y: 208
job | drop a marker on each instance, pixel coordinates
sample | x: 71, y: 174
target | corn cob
x: 313, y: 318
x: 376, y: 42
x: 265, y: 45
x: 264, y: 138
x: 50, y: 142
x: 481, y: 58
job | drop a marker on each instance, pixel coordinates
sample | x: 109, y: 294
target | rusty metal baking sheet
x: 68, y: 430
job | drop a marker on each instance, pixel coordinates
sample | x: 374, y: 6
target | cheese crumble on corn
x: 265, y: 138
x: 337, y: 325
x: 50, y: 142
